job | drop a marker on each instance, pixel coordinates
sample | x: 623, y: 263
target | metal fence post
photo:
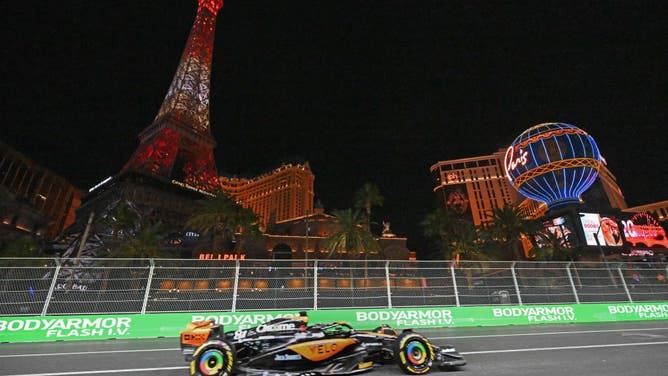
x: 454, y: 283
x: 315, y: 284
x: 626, y: 288
x: 570, y: 278
x: 517, y: 286
x: 236, y: 286
x: 148, y: 285
x: 387, y: 284
x: 51, y: 288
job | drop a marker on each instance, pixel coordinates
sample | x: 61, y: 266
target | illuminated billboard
x: 561, y: 229
x: 600, y: 230
x: 456, y: 200
x: 643, y: 230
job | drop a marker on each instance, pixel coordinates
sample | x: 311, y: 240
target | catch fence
x: 86, y: 286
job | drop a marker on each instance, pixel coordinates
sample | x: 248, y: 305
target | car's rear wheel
x: 213, y: 358
x: 413, y: 353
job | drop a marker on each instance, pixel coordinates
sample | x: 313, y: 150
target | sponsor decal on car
x: 316, y: 351
x: 275, y: 327
x: 287, y: 357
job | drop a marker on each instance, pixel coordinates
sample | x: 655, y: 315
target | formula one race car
x: 290, y: 347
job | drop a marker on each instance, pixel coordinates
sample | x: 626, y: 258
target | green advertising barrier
x: 60, y: 328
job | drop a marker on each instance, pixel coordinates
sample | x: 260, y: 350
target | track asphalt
x: 611, y: 349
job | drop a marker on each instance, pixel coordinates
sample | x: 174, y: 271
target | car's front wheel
x: 213, y: 358
x: 413, y: 353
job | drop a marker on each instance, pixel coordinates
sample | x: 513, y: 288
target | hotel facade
x: 475, y: 186
x: 281, y: 194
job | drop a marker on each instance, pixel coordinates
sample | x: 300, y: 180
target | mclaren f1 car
x: 289, y: 346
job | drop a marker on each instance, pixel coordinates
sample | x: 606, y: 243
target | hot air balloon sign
x: 553, y: 163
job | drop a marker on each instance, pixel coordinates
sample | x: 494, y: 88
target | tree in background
x: 147, y: 242
x: 550, y: 247
x: 223, y: 217
x: 367, y: 197
x: 452, y: 235
x: 248, y: 227
x: 506, y: 228
x: 351, y: 236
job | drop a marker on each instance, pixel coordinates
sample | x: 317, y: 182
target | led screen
x: 643, y: 230
x: 562, y: 230
x: 600, y: 230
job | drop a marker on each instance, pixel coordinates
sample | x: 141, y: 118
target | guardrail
x: 40, y: 287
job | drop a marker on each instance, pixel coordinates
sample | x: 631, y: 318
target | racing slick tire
x: 413, y: 353
x: 214, y: 358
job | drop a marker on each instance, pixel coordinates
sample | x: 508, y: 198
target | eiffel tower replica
x: 173, y: 165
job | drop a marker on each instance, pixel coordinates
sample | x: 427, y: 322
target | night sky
x: 364, y: 90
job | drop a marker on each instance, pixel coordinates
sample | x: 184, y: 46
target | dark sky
x: 364, y: 90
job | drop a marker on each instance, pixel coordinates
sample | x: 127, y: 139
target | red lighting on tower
x: 178, y: 145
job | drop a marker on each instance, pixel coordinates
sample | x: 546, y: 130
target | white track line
x: 463, y: 353
x: 102, y: 371
x: 550, y: 333
x: 564, y: 348
x: 87, y: 352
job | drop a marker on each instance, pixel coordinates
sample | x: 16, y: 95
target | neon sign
x: 221, y: 256
x: 511, y: 163
x: 552, y: 163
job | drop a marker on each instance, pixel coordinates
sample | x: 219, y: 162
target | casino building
x: 554, y: 172
x: 473, y: 186
x: 281, y: 194
x: 477, y: 185
x: 34, y: 200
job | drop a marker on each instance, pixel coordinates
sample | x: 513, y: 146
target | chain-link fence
x: 82, y: 286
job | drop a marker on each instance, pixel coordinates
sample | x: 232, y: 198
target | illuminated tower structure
x: 173, y: 164
x: 178, y: 144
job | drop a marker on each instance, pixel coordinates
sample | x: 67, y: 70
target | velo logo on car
x: 323, y: 349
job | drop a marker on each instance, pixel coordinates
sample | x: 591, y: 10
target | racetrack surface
x: 611, y: 349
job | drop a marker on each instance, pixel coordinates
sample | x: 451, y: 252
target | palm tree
x: 222, y: 216
x: 507, y: 226
x: 351, y: 236
x: 146, y: 243
x: 367, y: 197
x: 453, y: 235
x: 248, y: 226
x: 434, y: 228
x: 550, y: 247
